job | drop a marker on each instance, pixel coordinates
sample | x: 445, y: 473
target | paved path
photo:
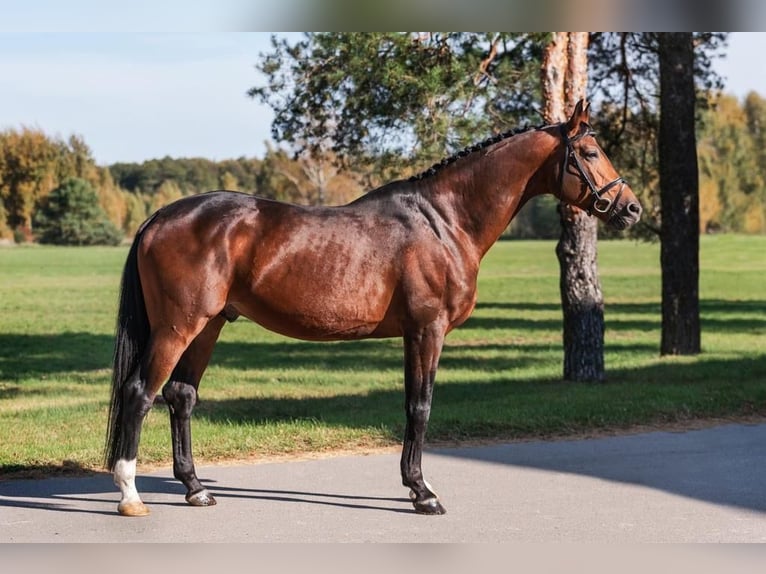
x: 696, y: 486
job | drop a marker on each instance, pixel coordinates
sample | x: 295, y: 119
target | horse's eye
x: 590, y: 154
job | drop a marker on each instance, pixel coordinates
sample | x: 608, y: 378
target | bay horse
x: 400, y: 261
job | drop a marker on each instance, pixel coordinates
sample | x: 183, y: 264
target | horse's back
x: 312, y: 273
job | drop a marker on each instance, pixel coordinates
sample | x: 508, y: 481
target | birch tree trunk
x: 564, y: 82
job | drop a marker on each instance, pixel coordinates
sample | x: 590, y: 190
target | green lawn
x: 499, y: 377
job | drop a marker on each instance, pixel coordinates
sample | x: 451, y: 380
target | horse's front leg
x: 422, y: 349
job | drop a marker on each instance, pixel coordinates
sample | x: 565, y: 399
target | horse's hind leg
x: 180, y: 393
x: 135, y: 406
x: 165, y: 349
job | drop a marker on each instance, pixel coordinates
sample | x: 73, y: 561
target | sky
x: 136, y: 96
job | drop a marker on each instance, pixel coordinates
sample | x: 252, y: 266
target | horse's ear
x: 580, y: 116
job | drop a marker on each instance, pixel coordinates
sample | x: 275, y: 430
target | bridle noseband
x: 597, y: 203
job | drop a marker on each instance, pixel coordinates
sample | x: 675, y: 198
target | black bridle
x: 602, y: 205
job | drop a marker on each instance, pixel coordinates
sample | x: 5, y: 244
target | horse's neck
x: 485, y: 190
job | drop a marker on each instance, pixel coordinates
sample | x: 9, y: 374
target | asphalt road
x: 696, y: 486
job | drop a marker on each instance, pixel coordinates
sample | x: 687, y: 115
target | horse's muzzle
x: 625, y: 216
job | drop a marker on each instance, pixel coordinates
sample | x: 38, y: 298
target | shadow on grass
x: 25, y: 356
x: 38, y: 356
x: 674, y: 392
x: 44, y: 356
x: 69, y: 468
x: 716, y: 315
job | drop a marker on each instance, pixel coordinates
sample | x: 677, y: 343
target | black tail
x: 131, y: 340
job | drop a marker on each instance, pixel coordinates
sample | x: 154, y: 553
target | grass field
x: 499, y: 377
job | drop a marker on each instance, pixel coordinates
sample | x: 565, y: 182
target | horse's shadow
x: 68, y: 494
x: 338, y: 500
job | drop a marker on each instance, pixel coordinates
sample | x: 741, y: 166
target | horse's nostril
x: 634, y: 208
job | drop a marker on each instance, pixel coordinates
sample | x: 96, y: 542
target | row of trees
x: 731, y: 139
x: 33, y: 165
x: 44, y: 180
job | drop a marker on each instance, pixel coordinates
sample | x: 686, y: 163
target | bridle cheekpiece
x: 603, y: 205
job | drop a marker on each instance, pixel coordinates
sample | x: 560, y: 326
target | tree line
x: 52, y: 190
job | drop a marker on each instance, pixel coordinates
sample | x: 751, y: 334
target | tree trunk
x: 564, y: 79
x: 679, y: 197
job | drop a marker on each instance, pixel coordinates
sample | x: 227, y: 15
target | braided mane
x: 471, y: 149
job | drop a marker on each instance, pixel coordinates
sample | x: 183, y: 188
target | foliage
x: 306, y: 179
x: 31, y: 165
x: 624, y: 68
x: 539, y: 219
x: 5, y: 230
x: 385, y: 96
x: 394, y: 102
x: 191, y: 175
x: 635, y: 158
x: 624, y: 79
x: 71, y: 215
x: 167, y: 192
x: 732, y: 166
x: 730, y: 153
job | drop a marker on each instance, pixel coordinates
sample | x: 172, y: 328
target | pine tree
x: 71, y: 215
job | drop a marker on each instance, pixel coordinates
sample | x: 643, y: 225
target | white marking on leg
x: 125, y: 479
x: 413, y: 496
x: 431, y: 488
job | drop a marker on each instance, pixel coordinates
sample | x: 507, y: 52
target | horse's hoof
x: 201, y: 498
x: 133, y: 508
x: 429, y: 506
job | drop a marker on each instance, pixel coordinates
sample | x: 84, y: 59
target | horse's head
x: 588, y: 180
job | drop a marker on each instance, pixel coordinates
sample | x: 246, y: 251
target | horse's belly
x: 313, y: 316
x: 321, y: 286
